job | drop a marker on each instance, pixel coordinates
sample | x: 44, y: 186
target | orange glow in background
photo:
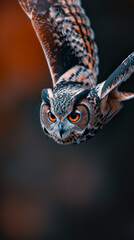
x: 54, y: 192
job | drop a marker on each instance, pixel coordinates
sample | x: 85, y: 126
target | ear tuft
x: 80, y: 96
x: 46, y: 94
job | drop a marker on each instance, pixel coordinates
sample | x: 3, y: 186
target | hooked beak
x: 61, y: 129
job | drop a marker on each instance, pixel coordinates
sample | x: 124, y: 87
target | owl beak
x: 61, y: 129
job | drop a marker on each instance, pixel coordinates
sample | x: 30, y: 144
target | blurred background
x: 54, y: 192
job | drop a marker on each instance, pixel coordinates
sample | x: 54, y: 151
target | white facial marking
x: 68, y: 128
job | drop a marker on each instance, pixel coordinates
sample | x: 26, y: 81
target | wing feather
x: 65, y: 35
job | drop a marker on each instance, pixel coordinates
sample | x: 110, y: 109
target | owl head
x: 72, y: 113
x: 63, y: 115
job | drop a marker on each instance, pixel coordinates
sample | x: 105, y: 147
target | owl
x: 77, y: 107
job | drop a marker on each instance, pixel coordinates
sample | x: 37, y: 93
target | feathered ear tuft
x: 81, y: 95
x: 108, y: 93
x: 46, y: 94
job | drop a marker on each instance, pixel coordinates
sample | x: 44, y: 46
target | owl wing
x: 65, y: 35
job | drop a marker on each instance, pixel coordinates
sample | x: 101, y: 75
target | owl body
x: 76, y: 108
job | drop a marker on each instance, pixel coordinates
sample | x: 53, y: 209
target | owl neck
x: 78, y: 74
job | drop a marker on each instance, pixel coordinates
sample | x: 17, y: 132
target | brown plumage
x: 77, y: 108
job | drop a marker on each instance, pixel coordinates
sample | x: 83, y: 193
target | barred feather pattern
x: 66, y: 37
x: 76, y: 108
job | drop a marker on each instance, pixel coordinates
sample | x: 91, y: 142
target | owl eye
x: 74, y: 116
x: 51, y: 116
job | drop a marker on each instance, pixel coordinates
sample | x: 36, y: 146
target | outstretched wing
x: 64, y: 32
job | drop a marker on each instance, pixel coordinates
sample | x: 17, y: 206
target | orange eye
x: 74, y: 116
x: 51, y: 117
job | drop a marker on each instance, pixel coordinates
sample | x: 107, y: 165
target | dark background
x: 54, y: 192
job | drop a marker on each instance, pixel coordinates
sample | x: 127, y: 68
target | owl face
x: 65, y: 114
x: 71, y: 113
x: 66, y: 128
